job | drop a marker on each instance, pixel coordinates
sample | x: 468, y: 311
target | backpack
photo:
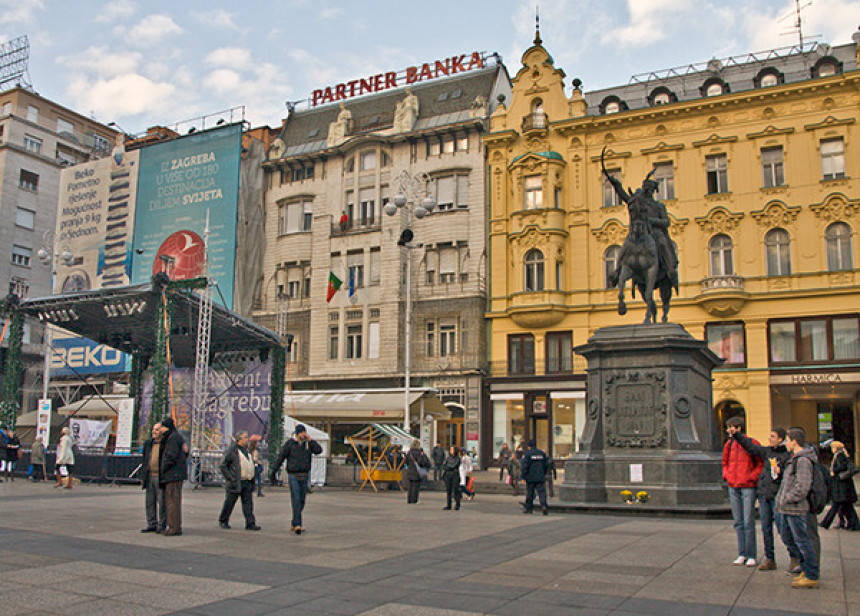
x: 819, y: 491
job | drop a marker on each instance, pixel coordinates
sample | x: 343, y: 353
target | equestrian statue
x: 648, y: 258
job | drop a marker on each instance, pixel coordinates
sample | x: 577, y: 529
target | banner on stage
x: 90, y: 433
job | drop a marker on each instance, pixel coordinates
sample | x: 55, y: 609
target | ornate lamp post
x: 413, y: 193
x: 52, y: 250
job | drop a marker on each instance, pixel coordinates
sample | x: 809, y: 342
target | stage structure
x: 162, y: 324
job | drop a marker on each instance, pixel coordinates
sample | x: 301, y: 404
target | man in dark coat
x: 415, y: 459
x: 297, y: 452
x: 172, y: 473
x: 535, y: 465
x: 238, y: 471
x: 156, y: 514
x: 438, y: 455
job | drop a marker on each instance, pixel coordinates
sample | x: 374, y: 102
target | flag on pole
x: 333, y: 285
x: 351, y: 282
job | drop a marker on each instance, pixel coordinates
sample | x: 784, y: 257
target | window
x: 297, y: 175
x: 822, y: 339
x: 613, y: 106
x: 533, y: 263
x: 559, y: 352
x: 448, y: 145
x: 373, y: 340
x: 610, y: 264
x: 350, y: 208
x: 839, y: 247
x: 721, y: 256
x: 101, y: 143
x: 32, y: 113
x: 33, y: 144
x: 434, y: 147
x: 846, y: 338
x: 726, y: 340
x: 664, y: 175
x: 778, y: 252
x: 610, y: 197
x: 353, y: 341
x: 559, y: 275
x: 521, y: 354
x: 533, y: 192
x: 833, y: 159
x: 367, y: 161
x: 366, y: 207
x: 67, y: 158
x: 7, y: 108
x: 714, y: 89
x: 462, y: 144
x: 447, y: 263
x: 813, y: 340
x: 782, y: 342
x: 538, y: 116
x: 19, y: 287
x: 662, y: 98
x: 21, y: 255
x: 65, y: 127
x: 718, y: 174
x: 374, y: 266
x: 452, y: 191
x: 350, y: 165
x: 355, y: 269
x: 447, y: 338
x: 772, y: 167
x: 332, y: 341
x: 25, y: 218
x: 431, y: 338
x: 307, y: 216
x: 282, y: 219
x: 294, y: 217
x: 306, y: 285
x: 293, y: 289
x: 28, y: 180
x: 768, y: 80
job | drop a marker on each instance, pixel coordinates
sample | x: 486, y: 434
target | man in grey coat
x: 792, y: 504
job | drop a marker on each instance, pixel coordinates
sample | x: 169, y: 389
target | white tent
x: 317, y: 476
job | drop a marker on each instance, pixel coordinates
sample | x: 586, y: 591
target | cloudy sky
x: 145, y: 62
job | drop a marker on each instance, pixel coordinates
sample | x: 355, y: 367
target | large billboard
x: 73, y: 355
x: 181, y: 183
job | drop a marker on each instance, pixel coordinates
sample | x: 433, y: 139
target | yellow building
x: 758, y: 164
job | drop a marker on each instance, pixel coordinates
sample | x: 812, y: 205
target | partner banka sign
x: 390, y: 80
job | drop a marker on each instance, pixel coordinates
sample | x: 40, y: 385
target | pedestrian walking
x: 237, y: 469
x: 37, y: 461
x: 65, y: 461
x: 515, y: 465
x: 13, y: 451
x: 417, y: 464
x: 504, y: 461
x: 254, y: 450
x: 438, y: 455
x: 172, y: 472
x: 741, y: 471
x: 156, y: 512
x: 466, y: 481
x: 451, y: 477
x: 535, y: 466
x: 774, y: 457
x: 297, y: 452
x: 844, y: 494
x: 792, y: 503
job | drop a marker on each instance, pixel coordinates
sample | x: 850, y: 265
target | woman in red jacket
x: 741, y: 471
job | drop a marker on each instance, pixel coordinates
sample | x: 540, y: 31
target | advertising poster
x: 72, y: 355
x: 43, y: 420
x: 124, y: 425
x: 90, y: 433
x: 95, y: 222
x: 180, y: 183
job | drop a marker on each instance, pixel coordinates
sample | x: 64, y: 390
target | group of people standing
x: 786, y: 477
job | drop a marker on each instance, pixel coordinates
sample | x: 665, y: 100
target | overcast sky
x: 145, y: 62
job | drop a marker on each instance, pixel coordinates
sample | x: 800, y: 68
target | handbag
x: 470, y: 484
x: 849, y: 472
x: 422, y: 472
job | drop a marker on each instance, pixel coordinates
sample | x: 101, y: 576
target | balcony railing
x: 534, y: 121
x: 539, y: 367
x: 355, y: 226
x: 722, y: 283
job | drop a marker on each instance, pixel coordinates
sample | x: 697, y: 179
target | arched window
x: 714, y: 87
x: 534, y: 265
x: 661, y: 96
x: 610, y: 263
x: 777, y: 245
x: 839, y: 248
x: 538, y: 116
x: 827, y: 67
x: 767, y: 77
x: 612, y: 104
x: 721, y: 256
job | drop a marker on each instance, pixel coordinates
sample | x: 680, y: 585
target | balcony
x: 722, y: 296
x: 535, y: 123
x: 537, y: 309
x: 538, y: 367
x: 355, y: 226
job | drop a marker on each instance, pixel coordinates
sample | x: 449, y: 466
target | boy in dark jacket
x: 298, y: 452
x: 741, y: 471
x: 775, y: 456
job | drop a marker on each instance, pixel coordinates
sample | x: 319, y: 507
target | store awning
x: 395, y: 434
x: 363, y: 405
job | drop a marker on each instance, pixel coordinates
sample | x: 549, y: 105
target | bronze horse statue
x: 647, y: 257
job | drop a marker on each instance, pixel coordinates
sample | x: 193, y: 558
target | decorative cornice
x: 719, y: 220
x: 677, y: 225
x: 770, y: 131
x: 610, y: 155
x: 835, y: 207
x: 714, y: 139
x: 776, y: 214
x: 829, y: 122
x: 663, y: 147
x: 611, y: 232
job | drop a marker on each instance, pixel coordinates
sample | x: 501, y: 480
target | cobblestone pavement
x: 81, y: 552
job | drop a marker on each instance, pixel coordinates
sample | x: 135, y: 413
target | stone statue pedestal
x: 649, y: 421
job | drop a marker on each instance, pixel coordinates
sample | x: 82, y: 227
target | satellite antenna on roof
x: 797, y: 26
x: 14, y: 58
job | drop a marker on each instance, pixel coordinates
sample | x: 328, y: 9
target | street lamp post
x: 414, y: 194
x: 51, y: 250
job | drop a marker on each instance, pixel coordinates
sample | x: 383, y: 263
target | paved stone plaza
x: 81, y: 552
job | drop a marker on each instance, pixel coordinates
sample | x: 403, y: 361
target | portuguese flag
x: 333, y: 285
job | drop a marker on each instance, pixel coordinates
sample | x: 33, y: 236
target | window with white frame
x: 21, y: 255
x: 717, y: 168
x: 839, y: 247
x: 610, y: 264
x: 355, y: 269
x: 367, y: 160
x: 534, y: 270
x: 772, y: 167
x: 19, y: 287
x: 463, y: 144
x: 447, y: 338
x: 833, y: 159
x: 32, y: 113
x: 295, y: 216
x: 28, y: 180
x: 353, y: 341
x: 33, y: 144
x: 533, y: 192
x: 430, y: 338
x: 447, y: 264
x: 24, y: 218
x: 664, y: 175
x: 68, y: 158
x: 610, y: 197
x: 307, y: 215
x: 373, y: 340
x: 452, y: 191
x: 434, y: 146
x: 366, y: 207
x: 448, y: 145
x: 333, y: 341
x: 777, y: 244
x: 65, y: 128
x: 720, y: 249
x: 374, y: 266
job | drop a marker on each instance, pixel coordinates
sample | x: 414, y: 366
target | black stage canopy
x: 125, y: 318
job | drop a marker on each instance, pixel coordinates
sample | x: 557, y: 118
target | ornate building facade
x: 757, y: 162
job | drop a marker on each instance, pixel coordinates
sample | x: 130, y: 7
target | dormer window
x: 768, y: 77
x: 613, y: 107
x: 826, y: 70
x: 827, y: 67
x: 612, y: 104
x: 714, y: 87
x: 661, y: 96
x: 769, y: 80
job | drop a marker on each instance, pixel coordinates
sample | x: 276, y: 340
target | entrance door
x: 540, y: 433
x: 450, y: 433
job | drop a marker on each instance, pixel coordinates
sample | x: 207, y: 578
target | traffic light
x: 405, y: 237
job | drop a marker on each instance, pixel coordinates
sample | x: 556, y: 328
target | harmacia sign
x: 389, y: 80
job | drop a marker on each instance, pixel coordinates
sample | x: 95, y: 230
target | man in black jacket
x: 156, y: 516
x: 535, y: 465
x: 172, y: 473
x: 775, y: 457
x: 238, y: 471
x: 438, y: 455
x: 298, y: 452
